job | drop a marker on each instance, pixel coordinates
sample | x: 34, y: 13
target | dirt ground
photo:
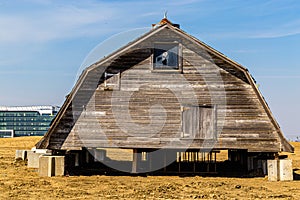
x: 19, y: 182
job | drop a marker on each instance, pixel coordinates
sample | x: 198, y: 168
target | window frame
x: 179, y: 57
x: 107, y: 85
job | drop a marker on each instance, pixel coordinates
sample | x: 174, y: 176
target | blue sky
x: 44, y: 42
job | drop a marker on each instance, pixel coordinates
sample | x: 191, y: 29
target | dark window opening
x: 166, y: 56
x: 111, y: 81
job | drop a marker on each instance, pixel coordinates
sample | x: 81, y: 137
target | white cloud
x: 45, y: 20
x: 280, y: 77
x: 148, y: 14
x: 280, y: 30
x: 56, y: 23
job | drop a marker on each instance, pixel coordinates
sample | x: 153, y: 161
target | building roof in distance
x: 40, y: 109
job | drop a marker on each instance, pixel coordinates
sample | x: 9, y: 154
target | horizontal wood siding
x: 242, y: 122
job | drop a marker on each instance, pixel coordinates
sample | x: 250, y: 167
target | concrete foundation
x: 21, y: 154
x: 51, y: 165
x: 280, y: 170
x: 33, y: 159
x: 273, y: 170
x: 44, y: 168
x: 286, y: 170
x: 45, y: 151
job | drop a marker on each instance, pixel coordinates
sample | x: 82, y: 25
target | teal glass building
x: 26, y: 120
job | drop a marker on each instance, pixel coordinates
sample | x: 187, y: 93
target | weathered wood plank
x: 241, y: 120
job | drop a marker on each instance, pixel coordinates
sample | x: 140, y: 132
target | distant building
x: 18, y: 121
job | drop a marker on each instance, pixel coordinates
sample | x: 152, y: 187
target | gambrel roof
x: 89, y: 79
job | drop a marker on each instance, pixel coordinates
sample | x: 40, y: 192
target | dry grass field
x: 19, y: 182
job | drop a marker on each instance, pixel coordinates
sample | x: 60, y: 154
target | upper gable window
x: 166, y: 56
x: 110, y: 81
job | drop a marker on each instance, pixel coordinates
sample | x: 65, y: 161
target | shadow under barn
x: 143, y: 162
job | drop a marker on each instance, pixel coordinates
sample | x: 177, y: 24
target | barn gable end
x: 203, y: 80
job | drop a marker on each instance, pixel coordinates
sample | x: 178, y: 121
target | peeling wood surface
x: 145, y: 109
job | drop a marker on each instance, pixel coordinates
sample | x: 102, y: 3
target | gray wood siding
x: 245, y: 124
x: 198, y: 122
x: 145, y: 111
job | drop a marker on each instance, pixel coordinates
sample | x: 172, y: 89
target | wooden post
x: 208, y: 161
x: 150, y: 161
x: 215, y: 161
x: 165, y: 161
x: 77, y: 161
x: 87, y: 156
x: 194, y: 162
x: 179, y: 159
x: 134, y: 161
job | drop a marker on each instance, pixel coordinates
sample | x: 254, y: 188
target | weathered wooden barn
x: 174, y: 101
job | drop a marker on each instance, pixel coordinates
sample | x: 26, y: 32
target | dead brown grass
x: 19, y: 182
